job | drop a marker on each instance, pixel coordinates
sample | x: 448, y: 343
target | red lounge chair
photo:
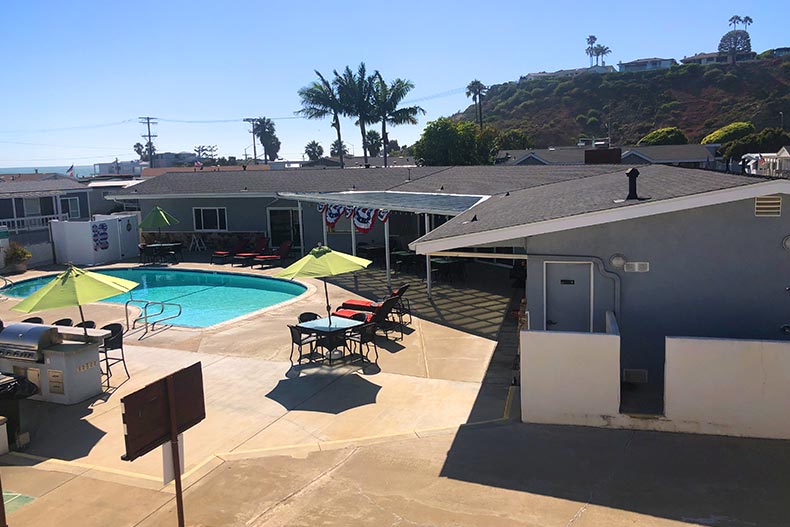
x: 279, y: 256
x: 224, y: 255
x: 261, y: 244
x: 402, y: 306
x: 380, y: 316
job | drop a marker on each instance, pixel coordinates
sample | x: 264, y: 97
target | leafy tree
x: 768, y: 140
x: 514, y: 140
x: 664, y: 136
x: 591, y: 40
x: 139, y: 149
x: 264, y: 131
x: 355, y: 94
x: 392, y: 146
x: 735, y: 42
x: 386, y: 99
x: 477, y: 90
x: 313, y: 150
x: 447, y: 142
x: 338, y: 149
x: 373, y: 142
x: 728, y: 133
x: 319, y: 100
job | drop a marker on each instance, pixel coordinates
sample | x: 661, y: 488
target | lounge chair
x: 245, y: 258
x: 380, y: 317
x: 279, y: 256
x: 224, y: 255
x: 402, y: 307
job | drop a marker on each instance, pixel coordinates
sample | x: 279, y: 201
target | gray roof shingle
x: 19, y: 187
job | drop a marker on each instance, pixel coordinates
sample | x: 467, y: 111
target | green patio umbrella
x: 158, y: 218
x: 322, y: 262
x: 74, y: 287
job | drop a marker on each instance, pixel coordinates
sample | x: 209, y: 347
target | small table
x: 331, y: 333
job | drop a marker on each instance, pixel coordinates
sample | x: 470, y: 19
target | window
x: 210, y: 218
x: 70, y: 207
x: 32, y: 207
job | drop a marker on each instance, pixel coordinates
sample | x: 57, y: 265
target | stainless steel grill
x: 23, y: 341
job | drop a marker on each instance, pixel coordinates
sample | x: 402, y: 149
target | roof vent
x: 768, y: 206
x: 507, y: 193
x: 474, y: 218
x: 632, y: 174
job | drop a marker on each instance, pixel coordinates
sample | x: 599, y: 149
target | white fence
x: 31, y: 223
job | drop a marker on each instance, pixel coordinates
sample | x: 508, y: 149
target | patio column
x: 15, y: 224
x: 353, y: 237
x: 387, y: 252
x: 301, y: 226
x: 428, y: 258
x: 323, y: 226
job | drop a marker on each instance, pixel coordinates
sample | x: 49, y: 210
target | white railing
x: 31, y: 223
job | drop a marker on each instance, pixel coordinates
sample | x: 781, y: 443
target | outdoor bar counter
x: 64, y: 366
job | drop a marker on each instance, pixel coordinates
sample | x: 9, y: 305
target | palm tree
x: 591, y: 40
x: 734, y: 21
x: 264, y: 131
x: 313, y: 150
x: 386, y: 99
x: 355, y: 94
x: 319, y: 100
x: 601, y: 51
x: 746, y: 21
x: 338, y: 149
x: 476, y: 90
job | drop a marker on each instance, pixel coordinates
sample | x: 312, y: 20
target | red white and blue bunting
x: 363, y: 218
x: 384, y: 215
x: 333, y: 213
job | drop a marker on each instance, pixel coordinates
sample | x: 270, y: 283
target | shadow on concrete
x: 331, y: 393
x: 60, y: 432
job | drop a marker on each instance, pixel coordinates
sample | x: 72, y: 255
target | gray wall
x: 715, y: 271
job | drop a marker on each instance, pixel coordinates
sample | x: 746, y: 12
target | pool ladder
x: 4, y: 283
x: 146, y: 316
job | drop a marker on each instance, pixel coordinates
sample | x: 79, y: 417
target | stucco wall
x: 570, y: 378
x: 729, y: 387
x: 715, y: 271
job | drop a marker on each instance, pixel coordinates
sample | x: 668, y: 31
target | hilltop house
x: 687, y: 156
x: 650, y: 64
x: 566, y: 73
x: 717, y: 58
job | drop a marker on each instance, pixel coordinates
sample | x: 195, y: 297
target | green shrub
x: 728, y: 133
x: 664, y: 136
x: 16, y: 253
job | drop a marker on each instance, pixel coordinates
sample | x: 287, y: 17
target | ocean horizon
x: 79, y: 170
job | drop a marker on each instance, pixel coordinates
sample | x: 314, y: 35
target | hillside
x: 697, y: 99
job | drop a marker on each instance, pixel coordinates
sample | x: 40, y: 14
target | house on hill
x: 687, y: 156
x: 650, y: 64
x: 566, y: 73
x: 717, y: 58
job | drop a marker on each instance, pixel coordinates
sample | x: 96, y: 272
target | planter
x: 18, y: 267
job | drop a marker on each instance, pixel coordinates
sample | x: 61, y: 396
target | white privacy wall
x: 570, y: 378
x: 728, y: 387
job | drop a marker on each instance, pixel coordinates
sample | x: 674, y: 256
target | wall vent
x: 634, y: 376
x: 769, y: 206
x: 637, y: 267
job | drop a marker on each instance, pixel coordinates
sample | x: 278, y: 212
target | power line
x: 67, y: 128
x: 61, y: 146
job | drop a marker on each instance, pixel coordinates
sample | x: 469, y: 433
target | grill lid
x: 21, y: 335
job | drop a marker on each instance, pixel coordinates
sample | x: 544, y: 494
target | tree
x: 513, y: 140
x: 600, y: 51
x: 355, y: 94
x: 139, y: 149
x: 664, y: 136
x: 477, y: 90
x: 735, y: 42
x: 313, y: 150
x: 447, y: 142
x: 264, y: 131
x: 747, y: 21
x: 338, y: 149
x: 319, y: 100
x: 768, y: 140
x: 591, y: 40
x: 728, y: 133
x: 373, y: 142
x: 386, y: 99
x: 734, y: 21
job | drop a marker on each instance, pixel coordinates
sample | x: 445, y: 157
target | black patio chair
x: 301, y: 337
x: 113, y: 343
x: 34, y: 320
x: 63, y: 322
x: 308, y: 316
x: 363, y: 335
x: 88, y: 324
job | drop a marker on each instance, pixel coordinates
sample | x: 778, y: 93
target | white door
x: 568, y: 295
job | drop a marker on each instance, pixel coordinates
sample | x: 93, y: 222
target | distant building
x: 688, y: 156
x: 716, y: 58
x: 172, y: 159
x: 650, y: 64
x: 566, y: 73
x: 134, y: 168
x: 781, y: 52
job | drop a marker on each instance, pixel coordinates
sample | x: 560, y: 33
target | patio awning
x: 416, y: 202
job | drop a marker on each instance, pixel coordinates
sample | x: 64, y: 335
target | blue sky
x: 69, y: 67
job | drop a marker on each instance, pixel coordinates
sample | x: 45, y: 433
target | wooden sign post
x: 158, y: 413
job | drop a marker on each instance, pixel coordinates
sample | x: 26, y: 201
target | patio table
x: 331, y: 334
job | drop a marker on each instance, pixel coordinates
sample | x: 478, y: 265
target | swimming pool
x: 206, y: 298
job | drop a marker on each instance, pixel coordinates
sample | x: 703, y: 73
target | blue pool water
x: 206, y: 298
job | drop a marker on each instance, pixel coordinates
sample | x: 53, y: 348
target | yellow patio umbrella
x: 74, y: 287
x: 158, y: 218
x: 322, y: 262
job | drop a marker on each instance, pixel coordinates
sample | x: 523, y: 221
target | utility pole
x: 252, y: 121
x: 148, y: 121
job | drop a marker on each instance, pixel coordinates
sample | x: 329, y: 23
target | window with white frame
x: 70, y: 207
x: 210, y: 218
x: 32, y: 207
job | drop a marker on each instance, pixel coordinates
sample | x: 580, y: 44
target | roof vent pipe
x: 632, y: 174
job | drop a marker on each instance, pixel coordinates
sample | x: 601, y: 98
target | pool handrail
x: 145, y: 316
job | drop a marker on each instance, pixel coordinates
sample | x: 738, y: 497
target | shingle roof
x: 41, y: 186
x: 671, y: 153
x: 581, y: 196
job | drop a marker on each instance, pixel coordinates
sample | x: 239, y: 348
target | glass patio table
x: 331, y: 335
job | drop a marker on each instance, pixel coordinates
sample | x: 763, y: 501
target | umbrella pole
x: 328, y: 307
x: 82, y: 317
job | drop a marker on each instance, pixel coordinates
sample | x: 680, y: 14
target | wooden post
x: 171, y: 395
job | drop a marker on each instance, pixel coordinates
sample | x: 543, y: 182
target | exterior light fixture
x: 617, y: 261
x: 786, y: 243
